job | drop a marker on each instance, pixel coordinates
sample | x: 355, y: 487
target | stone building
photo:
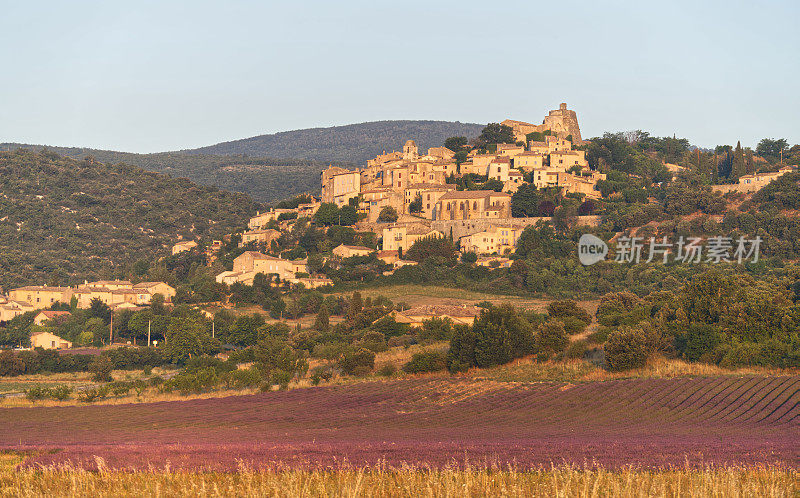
x: 473, y: 204
x: 339, y: 185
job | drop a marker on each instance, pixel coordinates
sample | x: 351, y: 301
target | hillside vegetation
x: 281, y: 165
x: 264, y: 179
x: 355, y: 143
x: 64, y: 220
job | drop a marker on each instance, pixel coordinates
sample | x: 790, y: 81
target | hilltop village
x: 404, y: 196
x: 369, y: 221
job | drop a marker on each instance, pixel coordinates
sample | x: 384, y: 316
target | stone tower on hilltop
x: 562, y: 122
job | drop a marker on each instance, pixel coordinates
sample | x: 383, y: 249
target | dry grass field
x: 561, y: 481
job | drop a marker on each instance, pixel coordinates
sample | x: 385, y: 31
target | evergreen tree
x: 738, y: 168
x: 322, y: 323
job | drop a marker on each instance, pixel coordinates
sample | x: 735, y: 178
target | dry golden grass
x: 562, y: 481
x: 415, y: 295
x: 528, y: 370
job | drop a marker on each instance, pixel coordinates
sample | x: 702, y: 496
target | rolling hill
x: 355, y: 143
x: 63, y: 220
x: 273, y: 167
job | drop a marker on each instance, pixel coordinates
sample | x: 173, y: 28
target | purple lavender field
x: 432, y: 422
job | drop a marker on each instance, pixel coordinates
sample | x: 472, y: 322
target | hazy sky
x: 163, y: 75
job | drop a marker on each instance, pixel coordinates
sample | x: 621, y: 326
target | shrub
x: 242, y: 379
x: 101, y: 368
x: 628, y: 348
x: 92, y: 394
x: 573, y: 325
x: 436, y: 329
x: 357, y: 362
x: 576, y: 350
x: 58, y: 393
x: 567, y: 308
x: 428, y: 361
x: 374, y: 341
x: 281, y: 378
x: 699, y: 342
x: 551, y: 338
x: 387, y: 369
x: 321, y: 373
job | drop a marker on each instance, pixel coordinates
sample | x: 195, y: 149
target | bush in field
x: 428, y: 361
x: 357, y: 362
x: 387, y: 369
x: 436, y: 329
x: 572, y: 325
x: 699, y: 342
x: 58, y: 393
x: 321, y: 373
x: 374, y: 341
x: 628, y: 348
x: 619, y: 308
x: 200, y: 381
x: 101, y: 368
x: 498, y: 336
x: 243, y: 379
x: 93, y: 394
x: 551, y: 338
x: 389, y: 327
x: 576, y: 350
x: 134, y: 358
x: 567, y: 308
x: 281, y: 378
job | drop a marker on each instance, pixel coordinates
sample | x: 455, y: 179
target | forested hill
x: 355, y: 143
x: 64, y: 220
x: 264, y: 179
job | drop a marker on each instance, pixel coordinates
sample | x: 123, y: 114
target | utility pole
x: 148, y: 332
x: 111, y: 330
x: 212, y: 329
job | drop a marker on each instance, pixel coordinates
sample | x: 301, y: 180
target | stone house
x: 259, y: 236
x: 496, y: 240
x: 41, y: 296
x: 186, y: 245
x: 401, y: 236
x: 345, y: 251
x: 48, y: 315
x: 46, y: 340
x: 11, y: 309
x: 473, y: 204
x: 429, y: 194
x: 339, y: 185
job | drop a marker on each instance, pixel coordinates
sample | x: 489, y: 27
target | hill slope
x: 63, y: 220
x: 264, y: 179
x: 355, y: 143
x: 273, y: 167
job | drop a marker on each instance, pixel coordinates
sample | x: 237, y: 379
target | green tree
x: 187, y: 338
x: 495, y: 133
x: 455, y: 143
x: 387, y: 215
x: 99, y: 309
x: 322, y: 322
x: 771, y: 148
x: 327, y: 214
x: 739, y: 168
x: 348, y: 215
x: 441, y: 248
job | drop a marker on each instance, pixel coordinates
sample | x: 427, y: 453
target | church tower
x: 410, y: 151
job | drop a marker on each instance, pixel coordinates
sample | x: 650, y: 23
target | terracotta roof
x: 41, y: 288
x: 53, y: 314
x: 356, y: 248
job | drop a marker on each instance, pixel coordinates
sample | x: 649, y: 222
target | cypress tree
x: 738, y: 168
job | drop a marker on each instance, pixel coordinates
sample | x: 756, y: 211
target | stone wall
x: 468, y: 227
